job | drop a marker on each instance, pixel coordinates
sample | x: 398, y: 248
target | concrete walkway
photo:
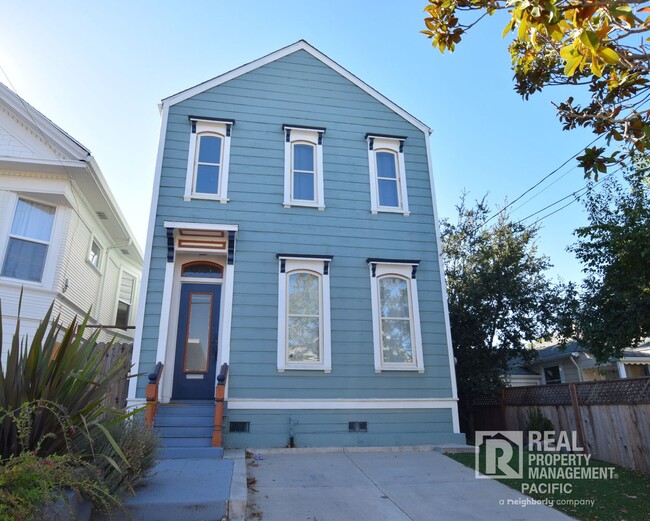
x: 386, y: 486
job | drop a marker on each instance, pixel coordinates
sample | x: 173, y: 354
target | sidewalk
x: 387, y: 486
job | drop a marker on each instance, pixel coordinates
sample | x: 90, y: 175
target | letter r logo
x: 499, y: 454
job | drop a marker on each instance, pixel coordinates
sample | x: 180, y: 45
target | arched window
x: 387, y: 179
x: 395, y: 317
x: 209, y: 152
x: 304, y: 331
x: 208, y: 160
x: 303, y: 167
x: 397, y: 336
x: 387, y: 174
x: 202, y: 270
x: 303, y: 172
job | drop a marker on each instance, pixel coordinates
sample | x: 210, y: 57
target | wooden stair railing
x: 152, y: 394
x: 219, y: 406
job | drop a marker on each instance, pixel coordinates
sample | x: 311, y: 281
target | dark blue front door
x: 196, y: 342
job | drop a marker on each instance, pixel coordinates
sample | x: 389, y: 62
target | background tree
x: 499, y: 297
x: 615, y: 250
x: 599, y: 45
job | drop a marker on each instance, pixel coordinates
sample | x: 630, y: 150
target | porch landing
x: 192, y: 489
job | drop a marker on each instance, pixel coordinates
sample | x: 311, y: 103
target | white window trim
x: 561, y: 371
x: 47, y: 275
x: 318, y: 266
x: 221, y: 128
x: 134, y: 296
x: 311, y: 136
x: 377, y: 144
x: 100, y: 263
x: 404, y: 270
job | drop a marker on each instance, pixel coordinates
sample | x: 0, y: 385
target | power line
x: 572, y: 194
x: 541, y: 181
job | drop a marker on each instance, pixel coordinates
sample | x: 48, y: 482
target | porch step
x: 185, y: 429
x: 167, y: 420
x: 192, y: 453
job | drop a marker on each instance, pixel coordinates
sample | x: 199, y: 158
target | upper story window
x: 552, y: 375
x: 303, y: 167
x: 396, y: 315
x: 208, y: 160
x: 125, y: 300
x: 95, y: 254
x: 387, y: 174
x: 29, y: 240
x: 304, y: 314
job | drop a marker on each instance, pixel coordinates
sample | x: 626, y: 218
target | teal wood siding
x: 300, y: 90
x: 323, y: 428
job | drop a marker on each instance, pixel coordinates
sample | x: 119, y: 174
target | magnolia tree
x: 600, y: 45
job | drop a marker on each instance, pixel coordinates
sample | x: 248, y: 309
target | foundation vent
x: 358, y: 426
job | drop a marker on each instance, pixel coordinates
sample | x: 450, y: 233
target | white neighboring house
x: 62, y: 236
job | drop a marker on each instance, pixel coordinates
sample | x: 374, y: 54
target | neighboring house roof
x: 519, y: 370
x: 281, y: 53
x: 68, y: 156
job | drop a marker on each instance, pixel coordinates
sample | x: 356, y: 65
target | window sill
x: 94, y: 268
x: 206, y: 197
x: 411, y: 369
x: 305, y: 205
x: 305, y: 368
x: 23, y: 282
x: 390, y: 210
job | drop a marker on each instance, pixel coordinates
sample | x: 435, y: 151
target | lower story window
x: 303, y: 314
x: 396, y: 320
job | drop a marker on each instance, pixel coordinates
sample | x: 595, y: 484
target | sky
x: 100, y: 69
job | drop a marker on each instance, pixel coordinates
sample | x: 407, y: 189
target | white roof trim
x: 281, y: 53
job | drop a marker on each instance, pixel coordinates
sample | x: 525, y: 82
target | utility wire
x: 572, y: 194
x: 541, y: 181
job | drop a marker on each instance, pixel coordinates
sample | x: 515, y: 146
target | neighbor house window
x: 387, y: 174
x: 303, y: 167
x: 95, y: 254
x: 208, y: 160
x: 396, y: 316
x: 29, y: 240
x: 125, y: 300
x: 304, y: 313
x: 552, y: 375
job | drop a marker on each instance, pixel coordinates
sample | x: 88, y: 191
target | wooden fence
x: 117, y: 394
x: 612, y: 418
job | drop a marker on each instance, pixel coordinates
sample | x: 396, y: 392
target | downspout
x: 573, y: 359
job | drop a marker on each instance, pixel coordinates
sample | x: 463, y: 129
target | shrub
x: 538, y: 422
x: 138, y: 443
x: 29, y: 481
x: 68, y: 376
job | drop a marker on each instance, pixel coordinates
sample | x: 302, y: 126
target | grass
x: 626, y: 496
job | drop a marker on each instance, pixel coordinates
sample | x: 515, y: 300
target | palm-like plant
x: 68, y: 377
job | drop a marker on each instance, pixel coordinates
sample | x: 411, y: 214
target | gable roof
x: 281, y: 53
x: 70, y: 157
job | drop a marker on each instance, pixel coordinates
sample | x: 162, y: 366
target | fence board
x: 117, y: 394
x: 615, y: 416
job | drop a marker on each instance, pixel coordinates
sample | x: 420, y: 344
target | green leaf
x: 590, y: 40
x: 571, y: 65
x: 609, y: 56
